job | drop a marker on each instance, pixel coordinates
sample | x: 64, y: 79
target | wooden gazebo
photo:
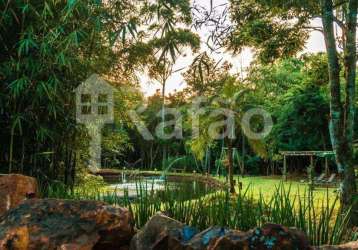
x: 310, y: 154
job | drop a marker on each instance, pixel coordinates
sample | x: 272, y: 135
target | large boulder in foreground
x: 15, y: 188
x: 163, y: 233
x: 66, y: 225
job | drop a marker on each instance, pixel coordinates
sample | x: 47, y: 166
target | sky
x: 240, y: 62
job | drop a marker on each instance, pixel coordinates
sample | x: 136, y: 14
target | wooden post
x: 326, y: 167
x: 284, y: 168
x: 243, y: 154
x: 311, y: 172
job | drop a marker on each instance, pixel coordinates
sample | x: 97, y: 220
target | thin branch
x: 319, y: 29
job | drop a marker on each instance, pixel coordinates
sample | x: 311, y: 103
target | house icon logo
x: 94, y: 101
x: 94, y: 109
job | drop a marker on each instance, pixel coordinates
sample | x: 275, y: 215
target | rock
x: 164, y: 233
x: 231, y: 240
x: 160, y: 232
x: 195, y: 242
x: 348, y: 246
x: 202, y: 239
x: 14, y: 189
x: 199, y: 242
x: 272, y: 236
x: 66, y: 225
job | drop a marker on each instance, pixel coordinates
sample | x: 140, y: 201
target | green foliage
x: 278, y: 29
x: 273, y: 28
x: 91, y: 182
x: 305, y: 111
x: 48, y: 48
x: 116, y: 142
x: 186, y: 163
x: 318, y: 218
x: 295, y: 92
x: 253, y: 165
x: 316, y: 68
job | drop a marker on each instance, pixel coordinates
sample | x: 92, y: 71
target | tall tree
x: 279, y: 29
x: 223, y: 110
x: 164, y: 41
x: 343, y: 111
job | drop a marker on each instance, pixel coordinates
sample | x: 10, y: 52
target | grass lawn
x: 266, y: 185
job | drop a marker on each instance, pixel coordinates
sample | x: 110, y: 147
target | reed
x: 319, y: 219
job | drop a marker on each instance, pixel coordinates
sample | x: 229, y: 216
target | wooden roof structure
x: 307, y: 153
x: 311, y: 154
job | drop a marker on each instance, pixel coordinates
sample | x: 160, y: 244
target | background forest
x: 49, y: 47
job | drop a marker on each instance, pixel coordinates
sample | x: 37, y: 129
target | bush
x: 253, y: 165
x: 90, y: 181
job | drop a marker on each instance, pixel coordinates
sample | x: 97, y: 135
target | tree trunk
x: 163, y: 120
x: 342, y: 116
x: 151, y: 156
x: 349, y: 186
x: 231, y: 167
x: 243, y: 154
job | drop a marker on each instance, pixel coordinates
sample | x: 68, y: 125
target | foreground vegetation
x: 285, y: 205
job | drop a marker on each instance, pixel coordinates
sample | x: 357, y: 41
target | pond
x: 164, y: 187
